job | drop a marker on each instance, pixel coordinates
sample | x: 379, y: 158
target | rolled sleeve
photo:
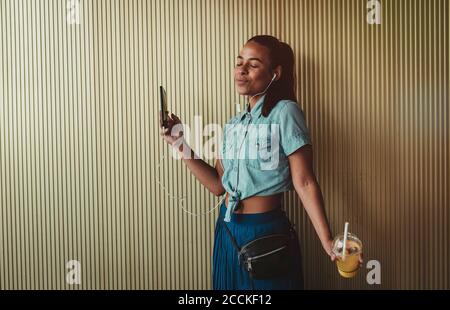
x: 293, y: 130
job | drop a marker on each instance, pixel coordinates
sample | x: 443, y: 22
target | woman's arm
x: 306, y: 186
x: 209, y: 176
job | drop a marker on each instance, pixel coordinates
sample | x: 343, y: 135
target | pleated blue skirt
x: 228, y: 274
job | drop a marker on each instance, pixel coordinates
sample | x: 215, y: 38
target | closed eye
x: 252, y: 66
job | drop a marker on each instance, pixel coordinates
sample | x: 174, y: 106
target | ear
x: 278, y: 71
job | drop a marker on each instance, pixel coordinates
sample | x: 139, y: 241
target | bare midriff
x: 258, y: 204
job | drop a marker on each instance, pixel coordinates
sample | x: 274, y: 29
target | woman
x: 254, y: 186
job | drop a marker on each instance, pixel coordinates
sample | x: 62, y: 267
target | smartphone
x: 163, y: 113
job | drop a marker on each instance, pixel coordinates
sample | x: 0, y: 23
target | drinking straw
x: 344, y: 245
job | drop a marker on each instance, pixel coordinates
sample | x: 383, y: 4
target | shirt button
x: 235, y: 168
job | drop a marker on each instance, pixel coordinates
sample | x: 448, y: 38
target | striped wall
x: 85, y: 176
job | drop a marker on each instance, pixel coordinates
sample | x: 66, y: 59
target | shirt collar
x: 257, y: 109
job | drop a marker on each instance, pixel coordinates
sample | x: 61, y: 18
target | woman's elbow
x: 219, y: 191
x: 304, y: 183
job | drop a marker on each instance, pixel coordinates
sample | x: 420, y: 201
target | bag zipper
x: 265, y: 254
x: 264, y: 237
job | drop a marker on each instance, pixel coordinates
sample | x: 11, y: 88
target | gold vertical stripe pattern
x: 84, y: 174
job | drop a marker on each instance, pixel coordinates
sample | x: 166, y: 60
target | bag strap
x: 292, y: 233
x: 233, y: 240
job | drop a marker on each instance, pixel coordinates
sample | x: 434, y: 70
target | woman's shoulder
x: 287, y: 106
x: 231, y: 121
x: 235, y: 118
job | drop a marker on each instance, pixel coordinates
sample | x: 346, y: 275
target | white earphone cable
x: 265, y: 90
x: 183, y: 198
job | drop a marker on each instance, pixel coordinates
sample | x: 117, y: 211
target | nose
x: 242, y: 71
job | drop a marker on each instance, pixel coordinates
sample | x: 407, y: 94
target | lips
x: 241, y: 82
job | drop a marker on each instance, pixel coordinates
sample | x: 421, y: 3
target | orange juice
x: 347, y: 266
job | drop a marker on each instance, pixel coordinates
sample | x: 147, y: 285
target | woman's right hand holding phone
x: 173, y: 133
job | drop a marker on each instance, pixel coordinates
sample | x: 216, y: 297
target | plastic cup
x: 348, y: 265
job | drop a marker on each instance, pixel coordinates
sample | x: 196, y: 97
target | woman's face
x: 252, y: 69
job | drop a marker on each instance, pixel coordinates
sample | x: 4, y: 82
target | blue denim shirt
x: 255, y: 151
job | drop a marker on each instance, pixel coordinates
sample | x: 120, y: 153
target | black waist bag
x: 266, y: 257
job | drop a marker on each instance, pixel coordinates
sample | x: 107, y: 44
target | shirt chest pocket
x: 263, y: 153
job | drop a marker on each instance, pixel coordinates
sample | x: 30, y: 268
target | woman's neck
x: 252, y: 101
